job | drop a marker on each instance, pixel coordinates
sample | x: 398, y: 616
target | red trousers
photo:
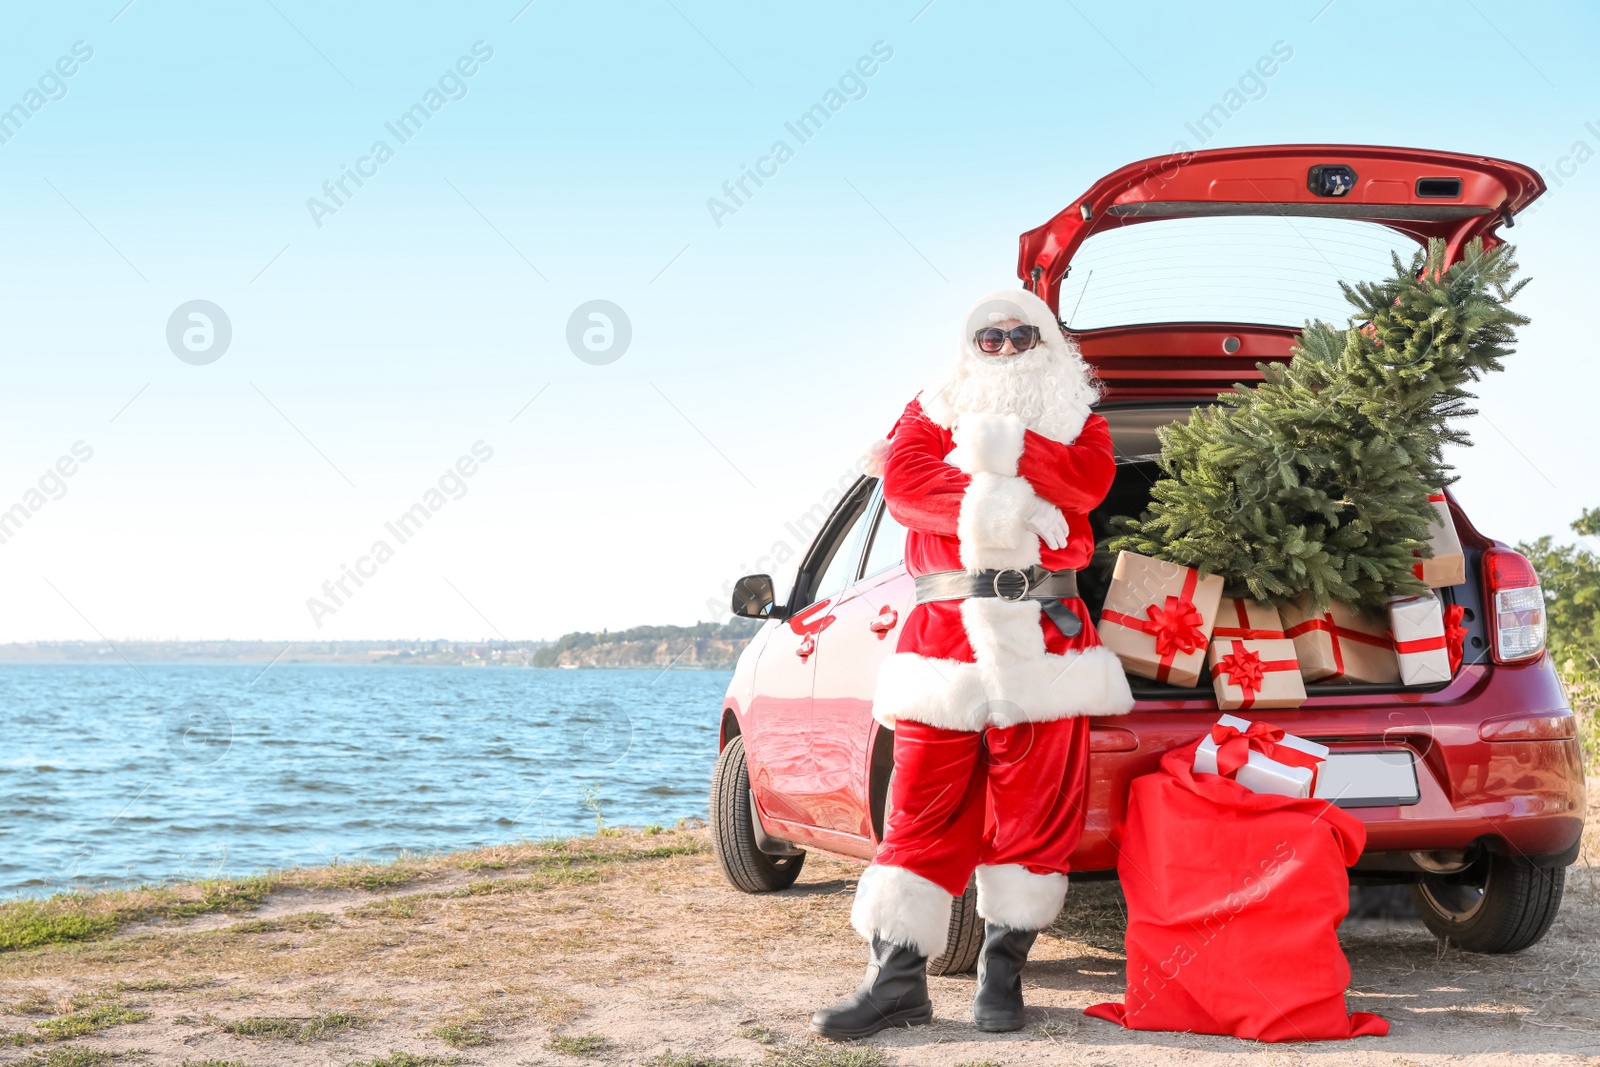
x: 1007, y: 803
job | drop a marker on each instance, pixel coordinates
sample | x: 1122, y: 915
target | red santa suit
x: 988, y: 697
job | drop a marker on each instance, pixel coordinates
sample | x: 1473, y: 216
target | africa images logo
x: 452, y: 85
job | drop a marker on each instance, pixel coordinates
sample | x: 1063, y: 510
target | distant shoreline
x: 704, y: 646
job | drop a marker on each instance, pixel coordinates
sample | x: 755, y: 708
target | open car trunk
x: 1134, y: 436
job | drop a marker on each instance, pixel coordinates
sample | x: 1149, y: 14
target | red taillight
x: 1516, y: 606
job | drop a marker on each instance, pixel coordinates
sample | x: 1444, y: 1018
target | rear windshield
x: 1274, y: 270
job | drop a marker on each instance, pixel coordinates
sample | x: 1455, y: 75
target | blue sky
x: 370, y: 353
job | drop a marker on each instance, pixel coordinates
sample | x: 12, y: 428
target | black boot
x: 893, y: 993
x: 998, y: 1005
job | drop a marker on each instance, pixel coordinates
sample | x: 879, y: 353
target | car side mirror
x: 753, y: 597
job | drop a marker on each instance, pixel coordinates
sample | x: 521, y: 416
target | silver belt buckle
x: 1022, y: 576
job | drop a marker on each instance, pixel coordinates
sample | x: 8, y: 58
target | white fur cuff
x: 990, y: 523
x: 1012, y: 896
x: 902, y: 908
x: 990, y: 444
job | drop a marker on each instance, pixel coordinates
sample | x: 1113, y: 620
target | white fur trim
x: 939, y: 692
x: 990, y: 444
x: 1012, y: 896
x: 989, y: 525
x: 971, y: 696
x: 902, y: 908
x: 874, y: 458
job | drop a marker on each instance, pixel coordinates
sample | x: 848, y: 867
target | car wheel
x: 966, y: 936
x: 733, y: 830
x: 1496, y: 905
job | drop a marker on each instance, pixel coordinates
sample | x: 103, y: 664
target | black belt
x: 1011, y: 584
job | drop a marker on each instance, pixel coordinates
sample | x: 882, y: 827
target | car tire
x: 966, y: 936
x: 733, y: 836
x: 1499, y: 904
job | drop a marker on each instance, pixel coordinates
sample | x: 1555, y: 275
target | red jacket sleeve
x: 1075, y: 477
x: 923, y: 492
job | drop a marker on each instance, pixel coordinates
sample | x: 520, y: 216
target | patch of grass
x: 69, y: 1057
x: 289, y: 1028
x: 231, y: 896
x: 408, y: 1059
x: 374, y: 877
x: 817, y: 1055
x: 760, y: 1033
x: 1053, y: 1030
x: 575, y: 1045
x: 462, y: 1035
x: 70, y: 917
x: 31, y: 923
x: 407, y: 907
x: 670, y: 1058
x: 166, y: 985
x: 300, y: 921
x: 92, y: 1015
x: 33, y: 1002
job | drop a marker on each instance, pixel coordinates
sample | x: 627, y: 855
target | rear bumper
x: 1521, y: 797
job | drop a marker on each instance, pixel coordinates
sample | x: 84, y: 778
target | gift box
x: 1448, y: 564
x: 1261, y: 757
x: 1246, y: 619
x: 1255, y: 673
x: 1158, y: 618
x: 1420, y: 641
x: 1340, y: 644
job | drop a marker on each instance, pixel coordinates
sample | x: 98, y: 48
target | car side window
x: 888, y: 543
x: 841, y: 569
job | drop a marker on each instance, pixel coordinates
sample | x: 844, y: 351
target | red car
x: 1481, y: 803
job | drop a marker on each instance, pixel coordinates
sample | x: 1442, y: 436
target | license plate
x: 1369, y: 779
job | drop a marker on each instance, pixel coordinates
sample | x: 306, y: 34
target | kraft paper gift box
x: 1247, y: 619
x: 1255, y: 673
x: 1448, y: 565
x: 1158, y: 618
x: 1262, y: 773
x: 1417, y: 623
x: 1340, y: 644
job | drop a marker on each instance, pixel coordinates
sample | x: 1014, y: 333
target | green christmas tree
x: 1317, y: 479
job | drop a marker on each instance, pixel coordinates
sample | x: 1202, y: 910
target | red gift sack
x: 1234, y: 899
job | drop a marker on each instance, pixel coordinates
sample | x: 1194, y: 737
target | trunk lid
x: 1411, y: 195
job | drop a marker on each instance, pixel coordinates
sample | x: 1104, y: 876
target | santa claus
x: 993, y: 471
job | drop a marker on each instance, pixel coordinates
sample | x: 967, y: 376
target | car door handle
x: 884, y: 622
x: 806, y: 647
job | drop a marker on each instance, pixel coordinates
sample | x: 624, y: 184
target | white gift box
x: 1261, y: 773
x: 1419, y: 640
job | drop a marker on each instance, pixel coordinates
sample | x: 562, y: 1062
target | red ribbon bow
x: 1234, y: 746
x: 1243, y: 669
x: 1455, y: 634
x: 1176, y: 626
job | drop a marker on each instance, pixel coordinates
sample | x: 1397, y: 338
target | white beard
x: 1049, y: 388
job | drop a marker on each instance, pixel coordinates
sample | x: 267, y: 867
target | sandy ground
x: 659, y: 954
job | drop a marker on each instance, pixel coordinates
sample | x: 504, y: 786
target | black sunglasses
x: 993, y: 338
